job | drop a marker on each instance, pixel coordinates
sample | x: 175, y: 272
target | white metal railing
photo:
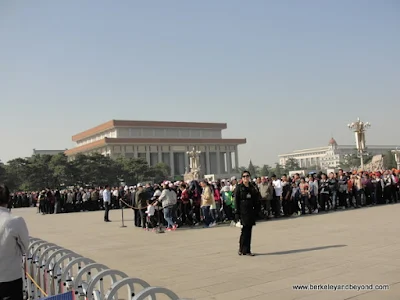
x: 50, y: 270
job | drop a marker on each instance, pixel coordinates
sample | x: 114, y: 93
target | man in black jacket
x: 247, y: 200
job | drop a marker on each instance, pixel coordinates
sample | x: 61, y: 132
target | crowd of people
x: 175, y: 204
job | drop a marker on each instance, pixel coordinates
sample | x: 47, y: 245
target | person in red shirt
x: 186, y: 205
x: 217, y: 198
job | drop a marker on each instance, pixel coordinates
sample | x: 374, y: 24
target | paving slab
x: 359, y: 246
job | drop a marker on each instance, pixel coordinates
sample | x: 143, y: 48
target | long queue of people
x: 175, y: 204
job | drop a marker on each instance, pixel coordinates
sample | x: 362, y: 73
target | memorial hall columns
x: 214, y: 159
x: 218, y: 159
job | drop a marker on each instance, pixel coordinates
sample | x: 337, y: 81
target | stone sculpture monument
x: 397, y: 157
x: 194, y: 165
x: 375, y: 164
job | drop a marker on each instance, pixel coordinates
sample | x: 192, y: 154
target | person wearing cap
x: 141, y: 203
x: 14, y: 243
x: 233, y: 183
x: 228, y: 204
x: 168, y: 201
x: 247, y: 203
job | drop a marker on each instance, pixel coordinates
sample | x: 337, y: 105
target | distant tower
x: 333, y: 144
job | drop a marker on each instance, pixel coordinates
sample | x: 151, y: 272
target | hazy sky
x: 284, y: 74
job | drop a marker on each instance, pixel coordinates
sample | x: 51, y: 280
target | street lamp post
x: 397, y: 157
x: 359, y: 129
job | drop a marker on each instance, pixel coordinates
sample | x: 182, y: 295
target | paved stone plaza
x: 347, y: 247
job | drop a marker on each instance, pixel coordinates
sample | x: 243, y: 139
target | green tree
x: 292, y: 164
x: 16, y: 170
x: 240, y: 170
x: 81, y: 170
x: 133, y: 170
x: 278, y: 170
x: 38, y: 173
x: 62, y: 170
x: 265, y: 170
x: 104, y: 170
x: 350, y: 162
x: 3, y: 172
x: 389, y: 160
x: 41, y: 171
x: 252, y: 169
x: 160, y: 172
x: 257, y: 171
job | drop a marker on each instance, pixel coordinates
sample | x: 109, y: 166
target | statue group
x: 194, y: 165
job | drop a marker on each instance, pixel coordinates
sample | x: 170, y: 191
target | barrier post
x: 122, y: 213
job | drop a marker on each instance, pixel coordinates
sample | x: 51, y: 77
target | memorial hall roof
x: 149, y: 124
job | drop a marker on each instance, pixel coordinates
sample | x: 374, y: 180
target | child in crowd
x: 150, y: 212
x: 227, y: 204
x: 154, y: 215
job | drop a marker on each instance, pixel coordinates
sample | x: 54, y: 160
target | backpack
x: 228, y: 198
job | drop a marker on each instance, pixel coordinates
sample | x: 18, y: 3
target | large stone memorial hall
x: 166, y: 142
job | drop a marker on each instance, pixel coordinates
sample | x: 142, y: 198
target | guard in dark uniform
x: 247, y: 200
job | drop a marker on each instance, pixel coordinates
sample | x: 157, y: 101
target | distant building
x: 329, y: 156
x: 48, y: 152
x: 166, y: 142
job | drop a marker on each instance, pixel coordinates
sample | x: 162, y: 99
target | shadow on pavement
x: 302, y: 250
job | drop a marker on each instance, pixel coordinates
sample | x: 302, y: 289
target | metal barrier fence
x: 51, y: 270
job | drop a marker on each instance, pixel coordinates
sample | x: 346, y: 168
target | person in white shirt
x: 115, y: 197
x: 14, y: 243
x: 168, y: 201
x: 84, y: 197
x: 233, y: 184
x: 277, y: 200
x: 107, y: 202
